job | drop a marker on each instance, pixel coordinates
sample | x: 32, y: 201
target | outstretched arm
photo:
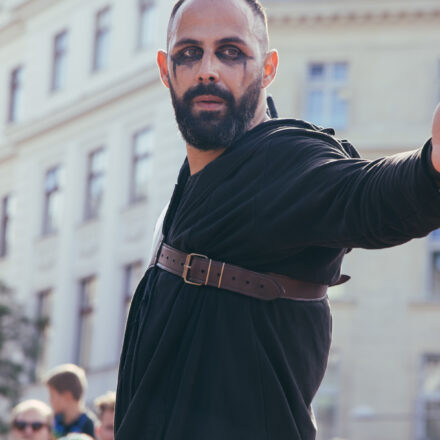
x: 436, y: 140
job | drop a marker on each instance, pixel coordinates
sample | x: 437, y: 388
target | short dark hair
x: 255, y: 5
x: 68, y: 377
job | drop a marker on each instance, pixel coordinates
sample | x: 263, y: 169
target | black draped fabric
x: 202, y: 363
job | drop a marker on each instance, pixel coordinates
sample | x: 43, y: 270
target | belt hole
x: 167, y: 258
x: 261, y: 285
x: 174, y: 260
x: 247, y: 282
x: 203, y: 270
x: 233, y: 278
x: 218, y: 274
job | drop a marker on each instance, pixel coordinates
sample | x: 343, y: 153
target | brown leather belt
x: 200, y: 270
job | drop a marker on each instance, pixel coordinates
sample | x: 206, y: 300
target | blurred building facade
x: 89, y: 153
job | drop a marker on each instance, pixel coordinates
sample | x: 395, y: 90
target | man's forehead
x: 214, y: 20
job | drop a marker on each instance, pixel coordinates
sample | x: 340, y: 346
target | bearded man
x: 230, y: 328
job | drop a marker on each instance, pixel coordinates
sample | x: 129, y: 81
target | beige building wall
x: 95, y: 109
x: 387, y: 318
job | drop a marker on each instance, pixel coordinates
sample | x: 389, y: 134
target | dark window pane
x: 95, y: 183
x: 142, y: 169
x: 16, y: 95
x: 85, y: 325
x: 52, y: 203
x: 316, y: 72
x: 5, y: 226
x: 43, y: 322
x: 102, y: 39
x: 59, y: 73
x: 436, y: 274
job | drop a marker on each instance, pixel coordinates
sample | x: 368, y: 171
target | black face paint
x: 191, y: 55
x: 182, y: 58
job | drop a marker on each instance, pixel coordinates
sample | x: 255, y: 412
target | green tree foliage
x: 18, y: 351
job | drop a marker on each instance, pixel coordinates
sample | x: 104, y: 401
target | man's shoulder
x: 88, y: 417
x: 295, y: 133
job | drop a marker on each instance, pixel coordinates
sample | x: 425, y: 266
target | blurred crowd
x: 67, y: 417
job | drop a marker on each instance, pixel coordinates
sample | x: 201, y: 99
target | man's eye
x: 230, y: 52
x: 191, y: 52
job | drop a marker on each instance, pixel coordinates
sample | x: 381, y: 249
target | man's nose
x: 208, y: 72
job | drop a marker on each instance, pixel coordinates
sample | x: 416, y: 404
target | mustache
x: 208, y: 89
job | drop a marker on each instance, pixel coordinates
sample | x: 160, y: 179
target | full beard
x: 210, y: 130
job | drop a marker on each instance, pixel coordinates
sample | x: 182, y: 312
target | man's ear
x: 269, y: 68
x: 163, y: 67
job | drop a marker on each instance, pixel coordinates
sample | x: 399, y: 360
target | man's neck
x: 72, y: 414
x: 198, y: 159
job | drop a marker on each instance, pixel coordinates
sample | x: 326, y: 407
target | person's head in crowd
x: 31, y: 420
x: 76, y: 436
x: 66, y: 384
x: 105, y: 409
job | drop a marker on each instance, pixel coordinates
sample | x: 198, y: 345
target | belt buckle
x: 187, y: 267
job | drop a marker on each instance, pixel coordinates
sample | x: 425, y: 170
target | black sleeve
x: 314, y: 194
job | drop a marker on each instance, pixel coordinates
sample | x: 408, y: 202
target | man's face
x: 30, y: 425
x: 57, y: 400
x: 105, y: 430
x: 215, y: 71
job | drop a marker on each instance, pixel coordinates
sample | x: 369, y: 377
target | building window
x: 85, y: 324
x: 52, y: 200
x: 59, y: 68
x: 428, y: 415
x: 16, y: 95
x: 326, y: 99
x: 141, y: 165
x: 101, y: 54
x: 95, y: 183
x: 5, y: 225
x: 434, y: 266
x: 44, y: 307
x: 147, y: 23
x: 326, y: 402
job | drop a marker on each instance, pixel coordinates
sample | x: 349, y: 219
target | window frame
x: 423, y: 399
x: 101, y: 32
x: 135, y: 195
x: 44, y: 300
x: 86, y: 309
x: 92, y: 177
x: 328, y: 85
x: 59, y: 56
x: 15, y: 88
x: 5, y: 225
x: 433, y: 248
x: 48, y: 197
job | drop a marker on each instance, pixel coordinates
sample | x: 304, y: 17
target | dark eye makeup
x: 192, y: 54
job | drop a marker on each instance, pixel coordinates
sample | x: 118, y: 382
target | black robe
x: 201, y: 363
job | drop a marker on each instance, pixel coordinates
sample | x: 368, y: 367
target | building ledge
x: 83, y: 105
x: 358, y: 12
x: 425, y: 305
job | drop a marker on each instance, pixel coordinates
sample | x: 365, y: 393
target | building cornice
x: 82, y: 106
x: 17, y: 16
x: 357, y: 12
